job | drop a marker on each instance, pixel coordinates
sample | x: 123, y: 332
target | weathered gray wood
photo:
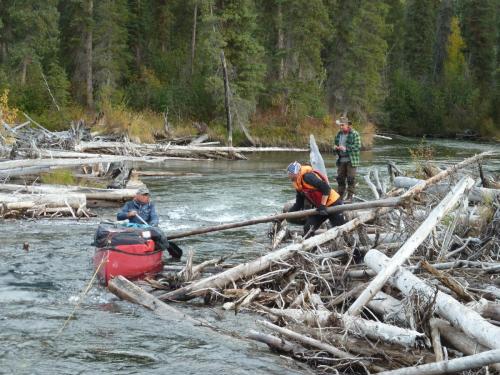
x: 260, y: 264
x: 442, y: 175
x: 411, y: 245
x: 318, y: 344
x: 27, y: 201
x: 85, y: 146
x: 477, y: 194
x: 358, y: 326
x: 447, y: 307
x: 459, y: 341
x: 277, y: 343
x: 451, y: 366
x: 127, y: 290
x: 90, y: 193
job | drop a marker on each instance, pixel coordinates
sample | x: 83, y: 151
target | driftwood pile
x: 29, y: 149
x: 406, y: 290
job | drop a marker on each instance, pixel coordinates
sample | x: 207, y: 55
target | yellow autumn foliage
x: 7, y: 114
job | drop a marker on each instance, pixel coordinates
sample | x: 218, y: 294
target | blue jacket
x: 146, y: 211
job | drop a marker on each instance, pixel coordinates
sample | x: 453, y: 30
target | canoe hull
x: 133, y: 261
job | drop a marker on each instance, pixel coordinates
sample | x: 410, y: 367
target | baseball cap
x: 143, y: 191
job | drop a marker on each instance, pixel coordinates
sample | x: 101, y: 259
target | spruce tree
x: 420, y: 35
x: 110, y: 50
x: 480, y: 36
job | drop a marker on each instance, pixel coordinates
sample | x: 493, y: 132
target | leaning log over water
x: 390, y: 202
x: 477, y: 194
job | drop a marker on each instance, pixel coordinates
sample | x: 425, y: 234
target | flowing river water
x: 40, y: 288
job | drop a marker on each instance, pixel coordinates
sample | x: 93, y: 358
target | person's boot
x: 348, y: 199
x: 351, y: 186
x: 341, y: 191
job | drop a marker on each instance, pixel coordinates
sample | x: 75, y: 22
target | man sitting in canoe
x: 141, y: 210
x: 312, y: 185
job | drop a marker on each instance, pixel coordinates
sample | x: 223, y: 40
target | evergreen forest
x: 412, y: 67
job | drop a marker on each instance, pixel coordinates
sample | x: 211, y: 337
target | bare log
x: 411, y: 245
x: 477, y: 194
x: 358, y: 326
x: 27, y: 201
x: 447, y: 307
x: 459, y: 341
x: 440, y: 176
x: 390, y: 202
x: 451, y: 366
x: 90, y: 193
x: 277, y: 343
x: 318, y: 344
x: 127, y: 290
x: 165, y: 149
x: 436, y: 340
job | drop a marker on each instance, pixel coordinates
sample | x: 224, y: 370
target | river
x: 39, y: 288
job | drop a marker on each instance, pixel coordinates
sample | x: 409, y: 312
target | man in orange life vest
x: 312, y: 185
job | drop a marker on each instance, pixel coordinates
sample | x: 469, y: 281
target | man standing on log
x: 141, y: 210
x: 347, y: 145
x: 313, y: 186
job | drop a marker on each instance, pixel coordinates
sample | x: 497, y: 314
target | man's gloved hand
x: 322, y: 210
x: 131, y: 214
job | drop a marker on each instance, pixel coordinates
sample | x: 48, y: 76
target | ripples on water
x: 39, y: 288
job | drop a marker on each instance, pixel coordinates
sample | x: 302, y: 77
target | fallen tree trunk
x: 358, y: 326
x: 411, y: 245
x: 390, y: 202
x: 477, y: 194
x: 90, y: 193
x: 26, y: 201
x: 318, y: 344
x: 277, y: 343
x: 127, y: 290
x: 158, y: 148
x: 453, y: 365
x: 440, y: 176
x: 447, y: 307
x: 260, y: 264
x: 459, y: 341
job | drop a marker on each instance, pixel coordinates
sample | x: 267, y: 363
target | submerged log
x: 127, y: 290
x: 411, y: 245
x: 447, y: 307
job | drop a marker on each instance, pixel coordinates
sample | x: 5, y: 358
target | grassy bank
x: 266, y: 129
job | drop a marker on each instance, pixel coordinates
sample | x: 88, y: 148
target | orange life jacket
x: 311, y: 193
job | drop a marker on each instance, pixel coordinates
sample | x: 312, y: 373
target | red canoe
x: 126, y: 252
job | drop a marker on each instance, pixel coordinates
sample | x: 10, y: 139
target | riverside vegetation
x: 417, y: 67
